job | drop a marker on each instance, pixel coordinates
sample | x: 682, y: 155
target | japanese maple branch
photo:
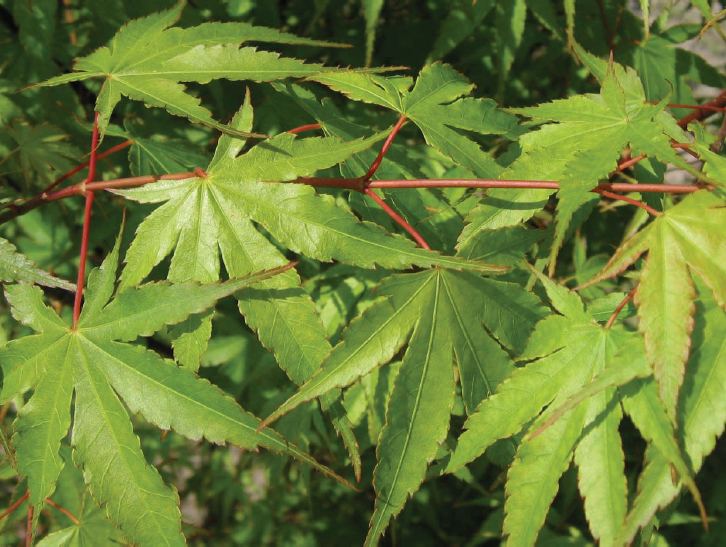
x: 703, y: 110
x: 82, y: 166
x: 15, y: 505
x: 309, y: 127
x: 365, y: 180
x: 81, y: 188
x: 620, y: 307
x: 29, y: 527
x: 86, y: 225
x: 64, y: 511
x: 627, y: 199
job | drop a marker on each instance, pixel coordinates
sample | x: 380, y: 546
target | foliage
x: 499, y: 271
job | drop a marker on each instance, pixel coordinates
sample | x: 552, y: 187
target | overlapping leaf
x: 145, y: 61
x: 580, y: 150
x: 439, y: 314
x: 701, y: 416
x: 685, y: 239
x: 94, y: 362
x: 204, y: 215
x: 438, y: 105
x: 15, y: 266
x: 570, y: 351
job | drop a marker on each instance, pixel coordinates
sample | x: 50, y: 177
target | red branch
x: 86, y: 225
x: 63, y: 510
x: 75, y: 170
x: 83, y: 187
x: 386, y: 145
x: 397, y: 218
x: 703, y: 110
x: 620, y: 307
x: 632, y: 201
x: 15, y: 505
x: 309, y: 127
x: 29, y: 527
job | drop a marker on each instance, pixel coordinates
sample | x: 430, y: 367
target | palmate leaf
x: 201, y: 216
x: 579, y: 150
x: 569, y: 351
x: 436, y: 104
x: 439, y: 314
x: 93, y: 361
x: 701, y: 417
x: 686, y: 238
x: 145, y: 61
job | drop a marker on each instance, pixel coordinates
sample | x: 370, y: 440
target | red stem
x: 697, y: 107
x: 29, y: 527
x: 632, y: 201
x: 392, y: 135
x: 397, y: 218
x: 86, y: 225
x: 15, y: 505
x: 75, y: 170
x: 620, y: 307
x: 81, y: 188
x: 703, y: 110
x: 309, y: 127
x: 632, y: 161
x: 63, y: 510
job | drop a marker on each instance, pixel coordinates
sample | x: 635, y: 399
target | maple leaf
x: 15, y: 266
x: 701, y: 416
x: 438, y: 105
x: 146, y: 61
x: 95, y: 361
x: 685, y: 238
x: 38, y: 153
x: 570, y: 351
x: 202, y: 215
x: 439, y: 313
x: 580, y: 150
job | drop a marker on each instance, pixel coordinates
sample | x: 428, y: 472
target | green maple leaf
x: 578, y: 364
x: 204, y: 215
x: 146, y: 61
x: 438, y: 105
x: 701, y: 416
x: 579, y: 150
x: 439, y: 313
x: 39, y: 153
x: 667, y: 69
x: 95, y: 362
x: 15, y: 266
x: 686, y: 238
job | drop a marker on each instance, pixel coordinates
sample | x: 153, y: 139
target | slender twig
x: 703, y: 110
x: 398, y: 219
x: 632, y: 201
x: 75, y: 170
x: 309, y: 127
x: 86, y: 225
x: 81, y: 188
x: 63, y: 510
x: 630, y: 162
x: 29, y: 527
x: 620, y: 308
x: 696, y: 107
x: 15, y: 505
x: 392, y: 135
